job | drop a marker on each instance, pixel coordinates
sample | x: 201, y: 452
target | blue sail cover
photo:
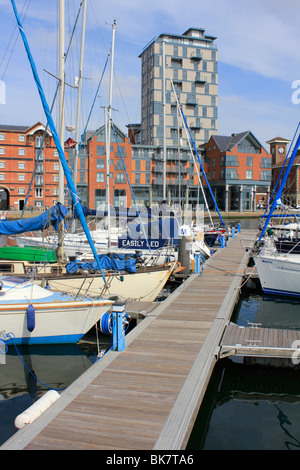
x: 115, y: 262
x: 53, y: 216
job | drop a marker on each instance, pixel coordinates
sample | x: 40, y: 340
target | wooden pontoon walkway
x: 259, y: 342
x: 148, y: 396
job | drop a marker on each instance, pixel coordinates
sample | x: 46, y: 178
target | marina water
x: 246, y: 406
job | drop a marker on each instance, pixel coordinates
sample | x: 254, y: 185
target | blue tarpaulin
x: 115, y: 262
x: 51, y: 217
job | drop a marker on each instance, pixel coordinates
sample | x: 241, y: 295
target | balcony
x: 200, y: 78
x: 191, y: 99
x: 197, y: 55
x: 196, y: 124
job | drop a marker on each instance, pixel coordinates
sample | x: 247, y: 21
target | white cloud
x: 266, y: 119
x: 260, y: 36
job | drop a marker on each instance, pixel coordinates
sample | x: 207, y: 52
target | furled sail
x: 53, y: 217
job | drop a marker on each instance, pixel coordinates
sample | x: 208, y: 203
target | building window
x: 55, y: 192
x: 21, y: 177
x: 21, y: 138
x: 55, y: 177
x: 2, y: 136
x: 39, y: 141
x: 176, y: 62
x: 100, y: 177
x: 266, y: 162
x: 38, y: 204
x: 265, y: 175
x: 39, y: 180
x: 249, y: 161
x: 2, y: 177
x: 2, y: 164
x: 231, y: 173
x: 249, y: 174
x: 39, y: 167
x: 56, y: 167
x: 39, y: 155
x: 100, y: 163
x: 120, y: 178
x: 21, y: 190
x: 100, y: 150
x: 39, y: 192
x: 21, y: 165
x: 2, y: 151
x: 21, y: 151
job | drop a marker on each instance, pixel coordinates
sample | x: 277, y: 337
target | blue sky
x: 258, y: 43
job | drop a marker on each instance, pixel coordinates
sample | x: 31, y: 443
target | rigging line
x: 14, y: 45
x: 285, y: 160
x: 210, y: 190
x: 37, y: 159
x: 51, y: 110
x: 95, y: 97
x: 283, y: 182
x: 115, y: 76
x: 132, y: 193
x: 192, y: 153
x: 60, y: 150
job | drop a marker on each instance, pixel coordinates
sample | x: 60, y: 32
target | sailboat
x: 204, y: 235
x: 144, y: 284
x: 279, y: 273
x: 30, y: 314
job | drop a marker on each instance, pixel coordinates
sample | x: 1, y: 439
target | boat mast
x: 75, y: 199
x: 164, y: 125
x: 178, y: 149
x: 75, y: 171
x: 79, y: 94
x: 109, y: 134
x: 61, y: 95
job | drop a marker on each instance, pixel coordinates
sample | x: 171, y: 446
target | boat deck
x: 148, y: 396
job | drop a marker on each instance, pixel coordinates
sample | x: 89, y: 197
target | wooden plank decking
x: 147, y: 396
x: 259, y: 342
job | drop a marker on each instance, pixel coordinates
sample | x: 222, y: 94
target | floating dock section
x: 148, y: 396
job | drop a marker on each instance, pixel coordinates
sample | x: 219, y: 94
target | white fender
x: 35, y: 410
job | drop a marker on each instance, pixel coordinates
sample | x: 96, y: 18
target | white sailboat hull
x: 55, y: 320
x: 143, y: 286
x: 279, y: 274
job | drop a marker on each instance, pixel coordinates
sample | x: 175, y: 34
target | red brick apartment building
x: 20, y: 152
x: 237, y: 166
x: 239, y: 170
x: 91, y: 179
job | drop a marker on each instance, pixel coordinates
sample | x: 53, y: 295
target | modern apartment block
x: 191, y: 62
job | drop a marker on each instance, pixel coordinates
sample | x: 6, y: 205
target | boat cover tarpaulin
x: 51, y: 217
x: 115, y: 262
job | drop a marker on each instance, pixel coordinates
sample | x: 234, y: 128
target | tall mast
x: 109, y: 130
x: 164, y: 125
x: 61, y: 92
x: 75, y: 170
x: 61, y: 120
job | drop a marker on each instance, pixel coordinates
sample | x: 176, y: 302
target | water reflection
x: 249, y: 408
x: 252, y: 406
x: 24, y: 380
